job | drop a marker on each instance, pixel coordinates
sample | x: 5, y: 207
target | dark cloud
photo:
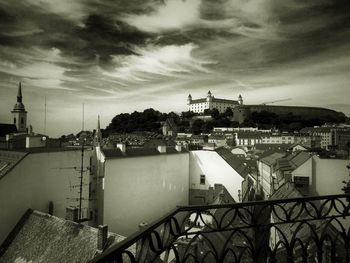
x: 114, y: 50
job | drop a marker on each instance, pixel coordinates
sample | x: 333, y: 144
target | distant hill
x: 151, y: 120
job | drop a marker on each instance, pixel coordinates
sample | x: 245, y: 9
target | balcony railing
x: 312, y: 229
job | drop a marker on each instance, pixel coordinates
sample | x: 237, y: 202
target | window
x: 202, y: 179
x: 14, y: 120
x: 22, y: 120
x: 301, y: 181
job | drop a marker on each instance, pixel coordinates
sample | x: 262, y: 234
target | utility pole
x: 81, y: 178
x: 45, y: 117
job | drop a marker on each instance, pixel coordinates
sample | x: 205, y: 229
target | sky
x: 126, y: 55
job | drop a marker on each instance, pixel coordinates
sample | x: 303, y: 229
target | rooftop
x: 138, y: 152
x: 272, y: 158
x: 8, y: 160
x: 40, y: 237
x: 7, y: 129
x: 238, y: 164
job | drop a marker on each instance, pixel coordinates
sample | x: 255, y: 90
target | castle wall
x: 240, y: 113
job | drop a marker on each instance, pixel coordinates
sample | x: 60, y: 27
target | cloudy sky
x: 125, y: 55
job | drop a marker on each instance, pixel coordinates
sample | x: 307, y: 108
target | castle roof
x: 234, y: 102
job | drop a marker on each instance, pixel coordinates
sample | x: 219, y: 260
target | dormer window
x: 202, y: 179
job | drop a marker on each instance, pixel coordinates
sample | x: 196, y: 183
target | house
x: 297, y: 168
x: 266, y: 167
x: 218, y: 140
x: 197, y: 139
x: 247, y: 139
x: 40, y: 237
x: 169, y: 128
x: 327, y: 135
x: 136, y: 185
x: 208, y: 168
x: 36, y: 177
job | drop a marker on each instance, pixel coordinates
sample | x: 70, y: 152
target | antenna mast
x: 45, y: 117
x: 82, y: 129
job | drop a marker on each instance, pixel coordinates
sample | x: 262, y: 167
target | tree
x: 197, y: 126
x: 207, y: 112
x: 228, y: 112
x: 215, y: 113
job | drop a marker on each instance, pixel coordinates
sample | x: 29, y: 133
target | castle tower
x: 240, y: 99
x: 189, y: 99
x: 209, y: 97
x: 98, y: 134
x: 19, y: 114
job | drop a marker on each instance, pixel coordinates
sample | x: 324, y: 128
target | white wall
x: 216, y: 171
x: 35, y: 141
x: 304, y: 170
x: 36, y: 181
x: 328, y: 175
x: 143, y: 189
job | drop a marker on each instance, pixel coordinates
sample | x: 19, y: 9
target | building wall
x: 35, y: 141
x: 201, y: 106
x: 143, y: 189
x: 328, y: 175
x: 198, y: 107
x: 35, y: 181
x: 216, y: 171
x: 266, y: 175
x: 304, y: 170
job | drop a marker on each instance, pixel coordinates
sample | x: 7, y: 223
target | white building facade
x: 210, y: 102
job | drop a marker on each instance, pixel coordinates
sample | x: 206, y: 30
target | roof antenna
x: 83, y: 119
x: 45, y: 116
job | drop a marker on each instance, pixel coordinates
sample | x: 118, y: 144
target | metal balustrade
x: 311, y: 229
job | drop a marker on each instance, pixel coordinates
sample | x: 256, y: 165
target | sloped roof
x: 7, y: 129
x: 198, y: 101
x: 171, y: 123
x: 138, y: 152
x: 8, y: 160
x: 238, y: 164
x: 248, y: 134
x: 287, y: 191
x: 271, y: 159
x: 316, y: 129
x: 292, y: 161
x: 282, y: 147
x: 41, y: 238
x: 225, y: 101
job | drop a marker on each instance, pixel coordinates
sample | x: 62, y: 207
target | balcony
x: 312, y: 229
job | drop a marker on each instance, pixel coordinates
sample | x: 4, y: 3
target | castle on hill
x: 210, y: 102
x: 242, y: 112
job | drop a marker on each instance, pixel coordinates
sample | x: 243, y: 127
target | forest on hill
x: 151, y: 120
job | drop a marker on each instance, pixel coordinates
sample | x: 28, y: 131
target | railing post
x: 261, y: 220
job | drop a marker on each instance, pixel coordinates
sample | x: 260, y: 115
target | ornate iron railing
x: 312, y: 229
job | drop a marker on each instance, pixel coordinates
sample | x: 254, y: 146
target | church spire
x: 19, y: 93
x: 19, y: 113
x: 98, y: 134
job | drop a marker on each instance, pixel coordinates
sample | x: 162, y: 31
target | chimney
x: 72, y: 213
x: 142, y: 225
x: 161, y: 148
x: 178, y: 147
x: 102, y: 237
x: 122, y: 147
